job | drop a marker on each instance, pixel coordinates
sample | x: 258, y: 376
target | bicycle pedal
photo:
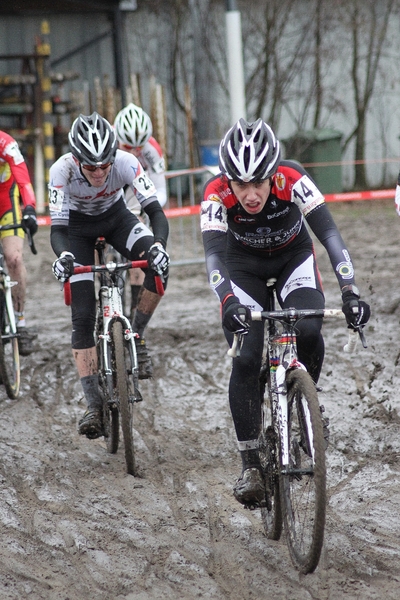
x: 137, y: 397
x: 251, y: 506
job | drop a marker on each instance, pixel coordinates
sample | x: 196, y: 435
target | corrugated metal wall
x: 67, y: 33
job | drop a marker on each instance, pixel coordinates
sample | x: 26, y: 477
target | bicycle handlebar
x: 291, y: 315
x: 111, y: 267
x: 21, y: 225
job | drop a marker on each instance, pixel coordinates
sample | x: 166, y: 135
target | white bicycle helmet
x: 249, y: 152
x: 133, y: 126
x: 92, y: 140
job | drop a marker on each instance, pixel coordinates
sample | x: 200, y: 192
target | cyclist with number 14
x: 86, y: 201
x: 253, y: 225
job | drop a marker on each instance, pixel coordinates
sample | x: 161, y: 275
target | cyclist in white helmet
x: 253, y: 225
x: 134, y: 130
x: 86, y: 200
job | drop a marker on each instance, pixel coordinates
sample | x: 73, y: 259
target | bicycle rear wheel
x: 9, y: 352
x: 303, y: 480
x: 123, y: 388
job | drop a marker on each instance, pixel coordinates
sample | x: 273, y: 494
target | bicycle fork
x: 287, y: 360
x: 7, y: 284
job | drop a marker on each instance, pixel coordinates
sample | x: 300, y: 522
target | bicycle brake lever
x: 237, y: 343
x: 362, y: 337
x: 234, y: 350
x: 32, y: 244
x: 30, y: 240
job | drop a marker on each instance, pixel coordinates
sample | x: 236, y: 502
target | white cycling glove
x: 158, y: 259
x: 63, y: 267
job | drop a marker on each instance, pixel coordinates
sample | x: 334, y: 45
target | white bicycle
x: 9, y: 352
x: 292, y: 443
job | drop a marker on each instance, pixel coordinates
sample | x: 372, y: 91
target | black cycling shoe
x: 25, y: 341
x: 144, y: 359
x: 249, y: 489
x: 91, y: 423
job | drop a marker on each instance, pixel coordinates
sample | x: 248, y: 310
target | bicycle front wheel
x: 9, y: 352
x: 122, y: 389
x: 106, y: 384
x: 110, y: 417
x: 271, y: 514
x: 303, y: 480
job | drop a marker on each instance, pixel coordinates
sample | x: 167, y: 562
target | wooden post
x: 158, y: 115
x: 99, y: 105
x: 134, y: 90
x: 189, y: 122
x: 47, y: 137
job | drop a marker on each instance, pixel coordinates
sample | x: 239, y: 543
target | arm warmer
x: 59, y: 238
x: 324, y: 227
x: 159, y: 223
x: 214, y: 247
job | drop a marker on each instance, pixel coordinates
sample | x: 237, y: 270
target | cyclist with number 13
x: 86, y: 201
x: 252, y: 220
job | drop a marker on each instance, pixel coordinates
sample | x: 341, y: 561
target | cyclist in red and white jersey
x: 253, y: 220
x: 134, y: 130
x: 16, y: 189
x: 86, y: 200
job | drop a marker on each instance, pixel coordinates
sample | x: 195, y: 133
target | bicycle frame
x: 110, y: 305
x: 6, y: 285
x: 5, y: 280
x: 282, y: 355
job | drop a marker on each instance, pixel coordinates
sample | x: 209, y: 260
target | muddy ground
x: 74, y: 526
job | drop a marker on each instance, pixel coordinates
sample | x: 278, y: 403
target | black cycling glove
x: 29, y: 220
x: 356, y: 311
x: 236, y: 317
